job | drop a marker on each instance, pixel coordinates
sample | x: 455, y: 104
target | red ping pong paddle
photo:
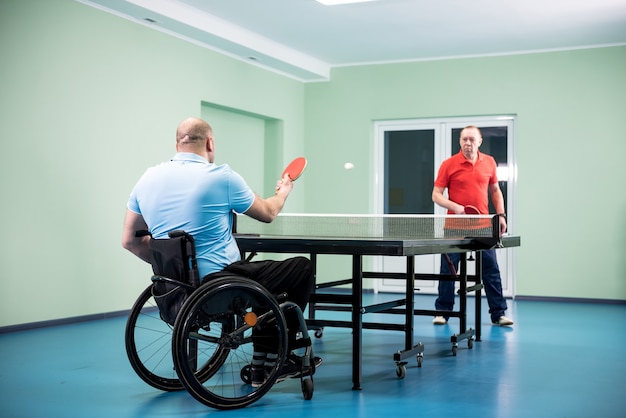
x: 471, y: 210
x: 295, y: 168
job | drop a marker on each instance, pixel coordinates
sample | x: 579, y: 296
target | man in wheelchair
x: 191, y: 193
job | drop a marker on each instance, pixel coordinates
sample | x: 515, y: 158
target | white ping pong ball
x: 348, y: 166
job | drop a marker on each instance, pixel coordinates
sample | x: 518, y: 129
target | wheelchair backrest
x: 175, y: 258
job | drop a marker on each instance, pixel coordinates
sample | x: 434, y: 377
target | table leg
x: 464, y: 333
x: 463, y: 293
x: 357, y: 320
x: 313, y: 258
x: 478, y: 298
x: 410, y: 301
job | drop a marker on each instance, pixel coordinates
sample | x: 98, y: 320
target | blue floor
x: 560, y: 360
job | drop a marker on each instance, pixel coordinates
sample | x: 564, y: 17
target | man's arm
x: 266, y: 210
x: 136, y: 245
x: 440, y: 199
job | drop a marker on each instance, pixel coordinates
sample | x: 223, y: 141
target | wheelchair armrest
x: 157, y: 278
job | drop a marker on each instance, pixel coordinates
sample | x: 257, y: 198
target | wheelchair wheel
x: 149, y: 346
x: 199, y: 332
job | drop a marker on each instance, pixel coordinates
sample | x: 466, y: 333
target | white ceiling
x: 305, y: 39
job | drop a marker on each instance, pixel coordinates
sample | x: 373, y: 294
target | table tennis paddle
x: 295, y: 168
x: 471, y: 210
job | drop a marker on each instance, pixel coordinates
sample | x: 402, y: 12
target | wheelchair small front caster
x: 246, y: 374
x: 307, y: 389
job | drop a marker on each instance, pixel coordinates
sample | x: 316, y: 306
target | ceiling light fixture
x: 337, y: 2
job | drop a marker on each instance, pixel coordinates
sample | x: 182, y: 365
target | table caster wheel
x: 401, y: 370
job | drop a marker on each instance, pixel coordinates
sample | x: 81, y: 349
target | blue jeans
x: 492, y: 283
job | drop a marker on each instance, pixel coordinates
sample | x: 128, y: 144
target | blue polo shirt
x: 191, y: 194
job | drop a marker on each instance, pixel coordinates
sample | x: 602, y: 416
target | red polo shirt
x: 468, y: 183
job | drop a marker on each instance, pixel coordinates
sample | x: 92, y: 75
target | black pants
x: 293, y: 276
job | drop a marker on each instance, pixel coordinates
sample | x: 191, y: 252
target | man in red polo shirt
x: 469, y: 176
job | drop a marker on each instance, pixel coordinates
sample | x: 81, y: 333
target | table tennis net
x: 370, y: 226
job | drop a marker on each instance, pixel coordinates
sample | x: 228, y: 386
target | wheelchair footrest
x: 300, y: 343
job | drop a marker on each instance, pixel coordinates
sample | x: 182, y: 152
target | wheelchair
x: 182, y: 335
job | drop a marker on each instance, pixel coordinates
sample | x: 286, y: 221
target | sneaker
x: 503, y: 321
x: 293, y: 367
x: 440, y: 320
x: 257, y: 376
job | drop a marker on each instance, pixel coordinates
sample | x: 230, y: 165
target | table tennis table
x: 359, y: 236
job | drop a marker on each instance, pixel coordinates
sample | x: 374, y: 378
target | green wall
x: 89, y: 100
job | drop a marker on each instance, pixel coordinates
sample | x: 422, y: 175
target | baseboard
x: 108, y: 315
x: 570, y: 300
x: 62, y: 321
